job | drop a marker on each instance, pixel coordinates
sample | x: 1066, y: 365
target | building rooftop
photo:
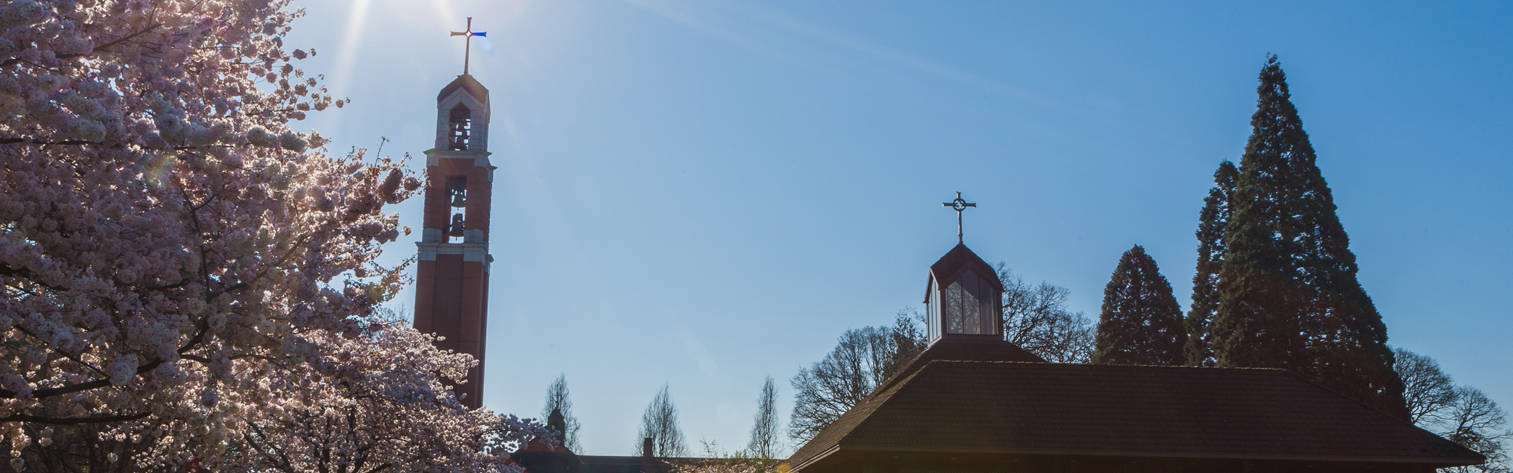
x: 991, y: 407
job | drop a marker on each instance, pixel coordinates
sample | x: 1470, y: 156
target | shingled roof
x: 1029, y: 408
x: 961, y: 347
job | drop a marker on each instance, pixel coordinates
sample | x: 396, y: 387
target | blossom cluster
x: 181, y: 267
x: 375, y: 403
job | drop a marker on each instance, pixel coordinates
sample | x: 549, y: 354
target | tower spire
x: 468, y: 50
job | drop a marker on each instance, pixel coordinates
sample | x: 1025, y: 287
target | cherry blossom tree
x: 177, y: 260
x: 376, y: 404
x: 715, y: 460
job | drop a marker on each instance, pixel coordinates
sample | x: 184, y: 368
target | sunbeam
x: 346, y: 59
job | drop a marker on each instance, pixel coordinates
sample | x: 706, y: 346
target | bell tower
x: 452, y: 271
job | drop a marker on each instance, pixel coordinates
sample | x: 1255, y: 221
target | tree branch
x: 26, y: 273
x: 73, y: 420
x: 102, y: 48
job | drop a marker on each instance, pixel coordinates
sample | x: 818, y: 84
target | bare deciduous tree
x: 557, y: 398
x: 1428, y: 390
x: 660, y: 424
x: 764, y: 434
x: 863, y: 359
x: 1036, y: 318
x: 1476, y: 422
x: 1462, y: 414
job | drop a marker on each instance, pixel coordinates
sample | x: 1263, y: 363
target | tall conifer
x: 1216, y: 213
x: 1141, y: 322
x: 1288, y: 294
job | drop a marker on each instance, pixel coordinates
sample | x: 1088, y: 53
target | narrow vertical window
x: 953, y: 308
x: 457, y: 188
x: 991, y: 311
x: 932, y: 309
x: 461, y: 124
x: 970, y: 307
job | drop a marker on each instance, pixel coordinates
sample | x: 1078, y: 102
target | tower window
x: 459, y: 127
x: 970, y: 305
x: 457, y: 188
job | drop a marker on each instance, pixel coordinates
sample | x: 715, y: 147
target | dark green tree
x: 908, y: 339
x: 1288, y: 294
x: 1141, y: 322
x: 1211, y: 221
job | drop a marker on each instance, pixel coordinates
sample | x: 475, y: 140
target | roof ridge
x: 908, y: 367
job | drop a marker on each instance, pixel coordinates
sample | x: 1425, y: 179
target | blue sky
x: 706, y: 193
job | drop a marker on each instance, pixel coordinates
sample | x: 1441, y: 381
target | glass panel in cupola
x: 953, y: 308
x: 970, y: 306
x: 963, y: 296
x: 990, y: 308
x: 932, y: 309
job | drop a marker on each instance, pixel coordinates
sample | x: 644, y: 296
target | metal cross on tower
x: 959, y: 205
x: 468, y: 50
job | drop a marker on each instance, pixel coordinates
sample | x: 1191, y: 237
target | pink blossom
x: 181, y: 255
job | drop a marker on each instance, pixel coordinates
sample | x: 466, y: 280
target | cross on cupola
x: 468, y: 49
x: 959, y: 205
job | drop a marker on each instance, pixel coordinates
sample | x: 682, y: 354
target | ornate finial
x: 959, y: 205
x: 468, y: 50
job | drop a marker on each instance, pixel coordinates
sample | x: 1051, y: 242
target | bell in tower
x: 458, y: 126
x: 456, y: 228
x: 452, y: 268
x: 459, y: 196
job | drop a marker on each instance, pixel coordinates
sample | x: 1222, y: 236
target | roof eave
x: 1440, y: 461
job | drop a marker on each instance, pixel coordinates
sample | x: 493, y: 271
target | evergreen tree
x: 908, y: 340
x: 1288, y: 294
x: 1216, y: 213
x: 1141, y: 322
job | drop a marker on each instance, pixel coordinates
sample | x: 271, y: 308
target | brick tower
x: 452, y: 273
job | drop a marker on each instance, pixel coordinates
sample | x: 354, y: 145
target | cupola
x: 962, y: 297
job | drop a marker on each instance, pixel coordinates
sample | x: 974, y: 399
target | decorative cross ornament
x: 959, y: 205
x: 467, y: 50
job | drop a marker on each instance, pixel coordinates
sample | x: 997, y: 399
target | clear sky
x: 705, y: 193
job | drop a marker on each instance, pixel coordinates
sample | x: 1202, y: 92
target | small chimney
x: 646, y: 448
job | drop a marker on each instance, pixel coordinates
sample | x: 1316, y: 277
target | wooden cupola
x: 962, y: 297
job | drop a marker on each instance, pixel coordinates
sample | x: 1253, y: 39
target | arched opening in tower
x: 459, y: 128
